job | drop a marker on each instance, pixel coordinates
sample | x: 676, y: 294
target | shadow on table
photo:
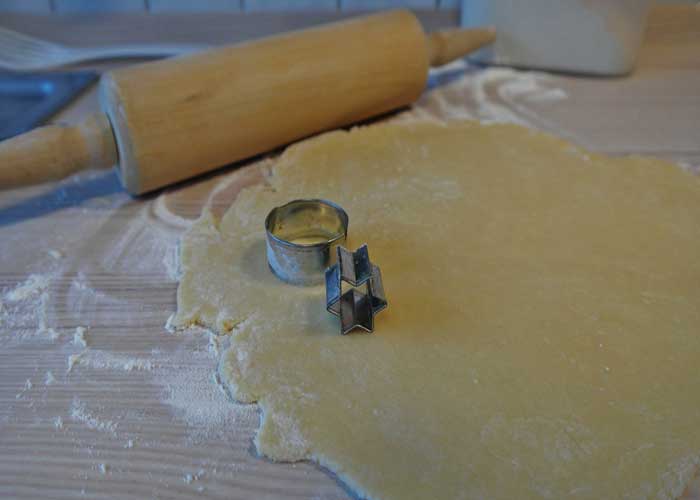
x: 64, y: 195
x: 445, y: 77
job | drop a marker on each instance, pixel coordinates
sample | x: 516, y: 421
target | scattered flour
x: 105, y: 360
x: 25, y: 388
x: 80, y: 283
x: 214, y: 344
x: 81, y: 413
x: 25, y: 309
x: 689, y: 166
x: 195, y: 396
x: 58, y: 423
x: 190, y: 478
x: 73, y: 360
x: 191, y: 386
x: 171, y: 262
x: 550, y: 95
x: 528, y: 85
x: 55, y: 254
x: 103, y: 468
x: 169, y: 324
x: 79, y: 338
x: 35, y: 284
x: 49, y: 379
x: 490, y: 95
x: 161, y: 211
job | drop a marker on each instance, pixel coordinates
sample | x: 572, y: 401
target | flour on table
x: 25, y: 309
x: 73, y: 360
x: 71, y: 288
x: 106, y: 360
x: 190, y: 478
x: 171, y: 262
x: 55, y: 254
x: 195, y: 395
x: 490, y: 95
x: 690, y: 167
x: 35, y: 284
x: 80, y: 412
x: 26, y: 388
x: 79, y: 336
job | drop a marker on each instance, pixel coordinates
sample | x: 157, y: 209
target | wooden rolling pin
x: 165, y: 121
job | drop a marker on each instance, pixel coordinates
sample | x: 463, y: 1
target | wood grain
x: 116, y: 245
x: 176, y: 118
x: 184, y: 116
x: 53, y: 152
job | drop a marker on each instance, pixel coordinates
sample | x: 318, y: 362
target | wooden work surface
x: 139, y: 415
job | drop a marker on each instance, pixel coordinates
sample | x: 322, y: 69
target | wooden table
x: 139, y: 414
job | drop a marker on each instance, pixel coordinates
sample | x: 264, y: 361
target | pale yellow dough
x: 543, y: 332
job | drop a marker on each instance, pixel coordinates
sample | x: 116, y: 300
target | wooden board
x: 140, y: 415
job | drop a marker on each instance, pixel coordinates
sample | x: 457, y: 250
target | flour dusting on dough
x: 497, y: 193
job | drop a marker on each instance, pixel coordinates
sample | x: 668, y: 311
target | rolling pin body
x: 173, y: 119
x: 180, y: 117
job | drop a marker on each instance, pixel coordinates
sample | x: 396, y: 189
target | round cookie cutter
x: 302, y: 237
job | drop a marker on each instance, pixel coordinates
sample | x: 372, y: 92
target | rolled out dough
x: 543, y: 332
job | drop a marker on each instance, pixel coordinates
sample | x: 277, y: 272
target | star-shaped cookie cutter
x: 353, y: 307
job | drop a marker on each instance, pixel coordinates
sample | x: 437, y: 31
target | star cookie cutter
x: 354, y: 308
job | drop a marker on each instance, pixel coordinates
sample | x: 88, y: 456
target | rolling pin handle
x: 54, y: 152
x: 447, y: 45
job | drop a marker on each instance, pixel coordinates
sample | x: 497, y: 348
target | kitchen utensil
x: 169, y: 120
x: 20, y: 52
x: 354, y: 307
x: 301, y: 238
x: 583, y: 36
x: 26, y: 101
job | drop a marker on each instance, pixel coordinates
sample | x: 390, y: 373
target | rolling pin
x: 169, y: 120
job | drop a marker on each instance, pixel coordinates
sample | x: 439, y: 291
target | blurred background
x: 234, y: 6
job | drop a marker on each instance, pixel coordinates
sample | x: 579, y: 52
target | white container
x: 583, y: 36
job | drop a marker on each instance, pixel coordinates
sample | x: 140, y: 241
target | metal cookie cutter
x: 354, y: 308
x: 302, y: 237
